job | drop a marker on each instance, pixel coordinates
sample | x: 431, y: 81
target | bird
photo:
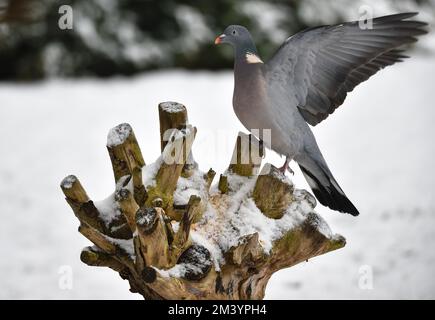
x: 305, y: 80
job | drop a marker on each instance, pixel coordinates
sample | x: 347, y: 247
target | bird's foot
x: 285, y: 167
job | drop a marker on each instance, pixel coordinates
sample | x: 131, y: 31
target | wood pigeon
x: 304, y: 82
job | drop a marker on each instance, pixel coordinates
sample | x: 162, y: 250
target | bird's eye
x: 234, y: 32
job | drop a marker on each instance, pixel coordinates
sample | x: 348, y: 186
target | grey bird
x: 304, y: 82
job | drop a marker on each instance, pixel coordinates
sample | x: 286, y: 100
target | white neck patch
x: 252, y: 58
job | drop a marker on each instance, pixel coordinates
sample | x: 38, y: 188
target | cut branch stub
x: 173, y: 116
x: 153, y: 236
x: 137, y: 246
x: 248, y: 251
x: 181, y: 237
x: 247, y: 155
x: 272, y: 192
x: 209, y: 176
x: 82, y: 206
x: 223, y: 184
x: 168, y: 287
x: 197, y: 262
x: 127, y: 159
x: 127, y: 204
x: 85, y: 210
x: 73, y: 189
x: 107, y: 244
x: 97, y: 238
x: 93, y: 256
x: 303, y: 243
x: 173, y: 159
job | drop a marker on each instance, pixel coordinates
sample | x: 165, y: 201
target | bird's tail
x: 326, y: 188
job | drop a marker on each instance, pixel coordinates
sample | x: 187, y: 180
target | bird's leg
x: 286, y: 166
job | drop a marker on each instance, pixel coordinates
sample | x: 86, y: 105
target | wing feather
x: 321, y: 65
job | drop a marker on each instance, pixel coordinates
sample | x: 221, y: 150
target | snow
x: 211, y: 246
x: 379, y: 145
x: 178, y: 271
x: 233, y: 216
x: 200, y: 260
x: 267, y: 169
x: 108, y: 209
x: 322, y: 226
x: 126, y: 244
x: 172, y: 107
x: 118, y: 135
x: 68, y: 182
x: 149, y: 172
x: 125, y: 182
x: 146, y: 219
x: 186, y: 187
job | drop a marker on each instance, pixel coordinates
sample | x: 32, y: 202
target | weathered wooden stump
x: 173, y: 235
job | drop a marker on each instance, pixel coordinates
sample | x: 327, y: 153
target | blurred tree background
x: 124, y: 37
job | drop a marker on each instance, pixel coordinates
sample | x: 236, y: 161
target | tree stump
x: 173, y: 235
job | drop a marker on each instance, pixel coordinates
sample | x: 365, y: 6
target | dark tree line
x: 123, y: 37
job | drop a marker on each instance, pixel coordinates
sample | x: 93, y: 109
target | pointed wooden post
x: 174, y: 157
x: 127, y: 159
x: 173, y: 116
x: 247, y: 155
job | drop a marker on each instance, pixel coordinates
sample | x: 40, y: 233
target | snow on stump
x: 174, y: 235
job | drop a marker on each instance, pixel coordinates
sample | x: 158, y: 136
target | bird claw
x: 286, y: 167
x: 283, y: 169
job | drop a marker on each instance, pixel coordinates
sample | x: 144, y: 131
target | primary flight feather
x: 304, y: 82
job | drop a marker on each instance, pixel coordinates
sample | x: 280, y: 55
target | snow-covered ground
x: 379, y: 146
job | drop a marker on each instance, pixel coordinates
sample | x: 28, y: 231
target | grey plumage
x: 304, y: 82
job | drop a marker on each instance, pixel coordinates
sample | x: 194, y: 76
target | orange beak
x: 218, y: 40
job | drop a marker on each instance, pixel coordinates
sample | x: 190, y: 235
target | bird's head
x: 237, y: 36
x: 241, y: 40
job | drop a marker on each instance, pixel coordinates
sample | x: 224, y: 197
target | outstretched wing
x: 321, y: 65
